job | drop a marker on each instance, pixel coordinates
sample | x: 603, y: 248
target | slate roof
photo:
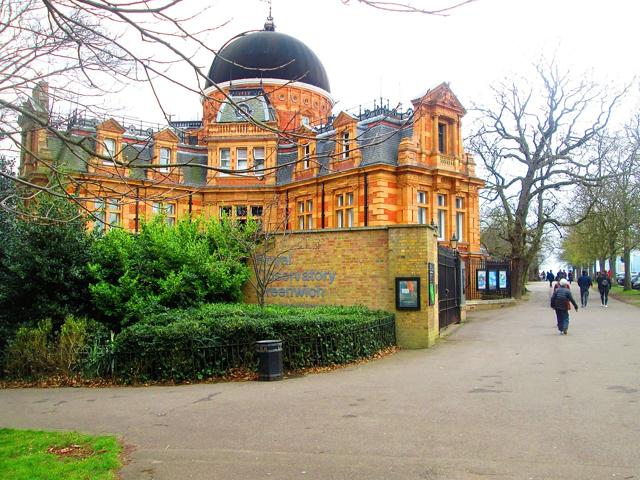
x: 379, y: 144
x: 284, y: 174
x: 193, y: 175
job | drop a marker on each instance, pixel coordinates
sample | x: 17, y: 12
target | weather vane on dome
x: 269, y: 25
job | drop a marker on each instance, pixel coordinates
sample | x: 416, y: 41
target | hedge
x: 209, y: 340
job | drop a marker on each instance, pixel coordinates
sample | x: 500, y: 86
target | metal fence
x: 207, y: 360
x: 487, y: 279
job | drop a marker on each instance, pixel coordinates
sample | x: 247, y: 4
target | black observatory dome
x: 268, y: 54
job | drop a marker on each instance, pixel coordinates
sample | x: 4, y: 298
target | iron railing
x: 204, y: 359
x: 487, y: 279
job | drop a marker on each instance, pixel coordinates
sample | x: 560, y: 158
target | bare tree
x: 268, y: 244
x: 535, y: 144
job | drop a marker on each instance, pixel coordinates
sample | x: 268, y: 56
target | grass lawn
x: 630, y: 296
x: 34, y: 455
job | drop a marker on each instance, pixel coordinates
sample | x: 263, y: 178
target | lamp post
x: 454, y: 243
x: 458, y: 284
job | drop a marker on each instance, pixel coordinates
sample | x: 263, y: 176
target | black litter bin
x: 269, y: 359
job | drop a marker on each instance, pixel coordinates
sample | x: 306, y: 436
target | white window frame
x: 109, y: 151
x: 345, y: 145
x: 459, y: 226
x: 168, y: 209
x: 258, y: 160
x: 164, y: 158
x: 224, y: 161
x: 442, y: 200
x: 241, y: 158
x: 306, y: 149
x: 442, y: 218
x: 459, y: 203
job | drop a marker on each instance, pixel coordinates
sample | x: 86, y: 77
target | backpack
x: 605, y: 283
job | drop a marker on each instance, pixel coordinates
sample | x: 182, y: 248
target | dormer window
x: 345, y: 145
x: 442, y: 137
x: 306, y: 150
x: 109, y: 151
x: 165, y: 159
x: 243, y: 112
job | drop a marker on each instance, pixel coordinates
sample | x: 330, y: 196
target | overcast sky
x: 368, y: 53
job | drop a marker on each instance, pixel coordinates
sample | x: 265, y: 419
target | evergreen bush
x: 213, y: 338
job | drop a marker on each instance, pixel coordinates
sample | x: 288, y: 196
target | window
x: 306, y: 149
x: 304, y: 120
x: 166, y: 209
x: 256, y: 210
x: 441, y: 224
x: 442, y: 200
x: 225, y: 211
x: 442, y: 138
x: 345, y: 145
x: 165, y: 159
x: 459, y: 225
x: 258, y: 160
x: 225, y: 160
x: 109, y: 150
x: 241, y: 156
x: 305, y: 214
x: 344, y: 210
x: 107, y: 213
x: 422, y: 207
x: 459, y: 203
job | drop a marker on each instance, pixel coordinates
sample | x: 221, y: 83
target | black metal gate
x: 449, y: 287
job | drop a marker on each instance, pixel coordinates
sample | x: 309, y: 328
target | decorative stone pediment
x: 166, y: 135
x: 111, y: 125
x: 343, y: 119
x: 441, y: 96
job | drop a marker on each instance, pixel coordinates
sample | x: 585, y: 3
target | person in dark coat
x: 604, y: 285
x: 585, y: 283
x: 550, y: 277
x: 560, y: 303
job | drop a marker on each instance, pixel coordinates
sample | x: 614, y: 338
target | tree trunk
x: 518, y: 277
x: 626, y: 254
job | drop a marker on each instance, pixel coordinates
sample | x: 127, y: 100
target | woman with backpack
x: 604, y: 285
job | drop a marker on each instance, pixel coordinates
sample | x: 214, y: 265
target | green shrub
x: 213, y: 338
x: 164, y: 267
x: 39, y: 352
x: 43, y: 263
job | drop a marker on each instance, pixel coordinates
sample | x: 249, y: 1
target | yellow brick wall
x: 358, y: 267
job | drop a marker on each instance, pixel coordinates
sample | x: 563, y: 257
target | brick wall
x: 357, y: 267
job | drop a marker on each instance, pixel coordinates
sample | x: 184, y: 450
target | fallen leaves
x: 234, y: 375
x: 77, y: 452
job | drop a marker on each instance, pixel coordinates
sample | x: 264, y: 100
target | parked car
x: 635, y: 282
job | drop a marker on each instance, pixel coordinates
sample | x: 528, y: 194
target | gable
x: 166, y: 135
x: 442, y: 96
x: 110, y: 125
x: 343, y: 119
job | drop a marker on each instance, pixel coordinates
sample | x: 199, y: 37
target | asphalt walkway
x: 503, y: 397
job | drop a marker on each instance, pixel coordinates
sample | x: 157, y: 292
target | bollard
x: 269, y: 359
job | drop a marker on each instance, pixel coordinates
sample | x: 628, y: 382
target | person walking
x: 561, y: 301
x: 585, y: 283
x: 604, y: 285
x: 550, y: 278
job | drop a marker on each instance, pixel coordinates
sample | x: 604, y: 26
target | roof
x: 267, y: 54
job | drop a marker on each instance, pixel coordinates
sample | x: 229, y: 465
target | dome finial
x: 269, y: 26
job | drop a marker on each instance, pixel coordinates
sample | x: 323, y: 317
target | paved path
x: 503, y: 397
